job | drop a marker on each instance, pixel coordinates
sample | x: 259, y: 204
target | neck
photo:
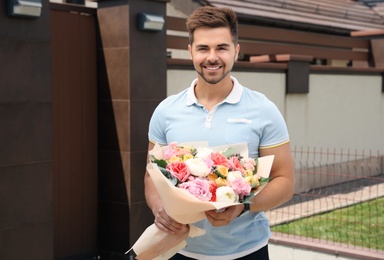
x: 210, y: 95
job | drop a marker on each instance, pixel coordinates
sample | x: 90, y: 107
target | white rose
x: 203, y: 153
x: 197, y: 167
x: 234, y: 175
x: 226, y: 194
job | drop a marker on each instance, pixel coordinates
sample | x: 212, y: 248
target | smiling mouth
x: 212, y: 67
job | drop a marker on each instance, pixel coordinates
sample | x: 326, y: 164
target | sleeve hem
x: 274, y: 145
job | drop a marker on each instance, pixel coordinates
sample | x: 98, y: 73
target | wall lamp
x: 25, y: 8
x: 151, y: 22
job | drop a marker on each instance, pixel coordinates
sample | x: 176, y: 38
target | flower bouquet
x: 194, y: 178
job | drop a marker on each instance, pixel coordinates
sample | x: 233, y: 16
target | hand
x: 168, y: 224
x: 223, y: 218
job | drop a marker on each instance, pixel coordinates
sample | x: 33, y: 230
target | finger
x: 220, y: 218
x: 168, y: 224
x: 217, y: 222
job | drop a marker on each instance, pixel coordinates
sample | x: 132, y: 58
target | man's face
x: 213, y: 53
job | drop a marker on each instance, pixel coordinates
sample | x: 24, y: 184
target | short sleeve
x: 156, y: 133
x: 274, y: 131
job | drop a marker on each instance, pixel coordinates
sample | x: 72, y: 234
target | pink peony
x: 240, y: 187
x: 168, y: 153
x: 199, y: 188
x: 235, y: 164
x: 208, y: 161
x: 219, y: 159
x: 175, y: 150
x: 179, y: 170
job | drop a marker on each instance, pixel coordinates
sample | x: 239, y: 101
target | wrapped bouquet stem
x: 194, y: 178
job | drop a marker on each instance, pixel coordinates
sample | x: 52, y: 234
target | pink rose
x: 249, y: 164
x: 199, y: 188
x: 179, y: 170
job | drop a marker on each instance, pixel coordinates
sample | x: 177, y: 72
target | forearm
x: 282, y: 185
x: 275, y: 193
x: 162, y: 220
x: 151, y: 195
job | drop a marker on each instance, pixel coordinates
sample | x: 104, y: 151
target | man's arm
x: 162, y: 220
x: 282, y: 184
x: 276, y: 192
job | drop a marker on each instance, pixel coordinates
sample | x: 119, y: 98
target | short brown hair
x: 213, y: 17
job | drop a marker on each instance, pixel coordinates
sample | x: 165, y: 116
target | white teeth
x: 213, y: 68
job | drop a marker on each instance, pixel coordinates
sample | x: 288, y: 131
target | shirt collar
x: 232, y: 98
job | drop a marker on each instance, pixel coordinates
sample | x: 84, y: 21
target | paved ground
x: 324, y: 204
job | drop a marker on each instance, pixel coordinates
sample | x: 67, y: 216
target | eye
x: 202, y: 48
x: 222, y: 48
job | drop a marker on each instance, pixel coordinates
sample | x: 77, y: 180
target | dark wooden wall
x: 26, y: 221
x: 75, y: 157
x: 132, y: 81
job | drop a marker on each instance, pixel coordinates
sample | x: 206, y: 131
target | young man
x: 217, y: 109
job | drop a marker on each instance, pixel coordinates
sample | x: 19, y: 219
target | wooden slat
x: 89, y: 171
x: 177, y: 42
x: 176, y: 24
x: 262, y: 58
x: 260, y: 33
x: 367, y: 33
x: 322, y: 53
x: 280, y: 58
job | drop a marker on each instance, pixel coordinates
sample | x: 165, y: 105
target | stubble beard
x: 213, y: 80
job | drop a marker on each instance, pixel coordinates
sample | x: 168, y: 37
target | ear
x: 237, y: 51
x: 190, y: 51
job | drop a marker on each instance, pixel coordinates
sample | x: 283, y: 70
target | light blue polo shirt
x: 244, y: 116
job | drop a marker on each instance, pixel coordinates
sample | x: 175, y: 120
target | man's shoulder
x: 254, y: 94
x: 179, y: 98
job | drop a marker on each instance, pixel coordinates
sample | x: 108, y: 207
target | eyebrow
x: 220, y: 45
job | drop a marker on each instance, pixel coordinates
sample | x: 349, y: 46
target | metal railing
x: 326, y: 182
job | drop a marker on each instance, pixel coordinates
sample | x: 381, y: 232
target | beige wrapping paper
x: 183, y: 207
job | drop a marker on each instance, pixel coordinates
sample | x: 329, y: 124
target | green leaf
x: 263, y: 180
x: 160, y: 163
x: 247, y: 199
x: 230, y: 151
x: 256, y: 165
x: 169, y: 176
x: 152, y: 158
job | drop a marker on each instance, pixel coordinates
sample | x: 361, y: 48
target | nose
x: 212, y: 56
